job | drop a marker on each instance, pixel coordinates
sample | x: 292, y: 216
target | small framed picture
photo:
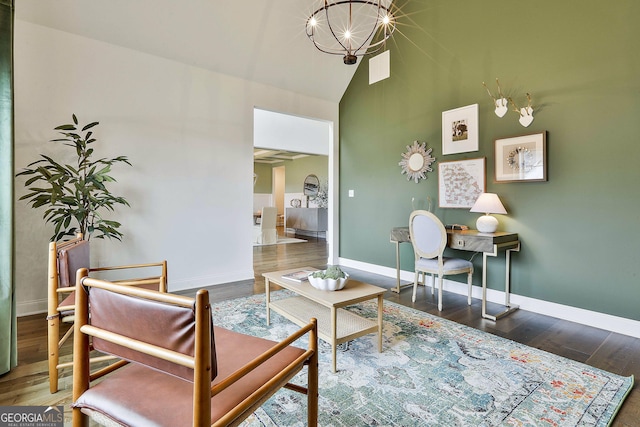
x: 460, y: 130
x: 521, y: 158
x: 461, y: 182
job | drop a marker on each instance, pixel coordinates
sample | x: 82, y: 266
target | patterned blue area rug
x: 433, y: 372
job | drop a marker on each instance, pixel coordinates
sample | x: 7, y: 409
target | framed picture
x: 460, y: 130
x: 521, y: 158
x: 461, y: 182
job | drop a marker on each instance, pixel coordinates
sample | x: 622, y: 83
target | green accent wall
x: 295, y: 173
x: 297, y: 170
x: 580, y: 61
x: 264, y: 181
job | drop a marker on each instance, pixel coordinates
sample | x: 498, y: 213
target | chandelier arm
x: 373, y: 30
x: 377, y: 45
x: 326, y: 14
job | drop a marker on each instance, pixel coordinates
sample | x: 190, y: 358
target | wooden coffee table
x: 335, y: 325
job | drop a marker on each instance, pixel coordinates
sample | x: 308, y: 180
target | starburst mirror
x: 416, y: 161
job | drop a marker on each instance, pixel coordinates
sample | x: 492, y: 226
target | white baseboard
x: 595, y: 319
x: 211, y: 280
x: 28, y: 308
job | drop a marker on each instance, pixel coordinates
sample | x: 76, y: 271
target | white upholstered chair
x: 429, y: 239
x: 265, y: 233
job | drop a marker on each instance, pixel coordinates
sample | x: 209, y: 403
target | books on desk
x: 298, y: 276
x: 456, y: 227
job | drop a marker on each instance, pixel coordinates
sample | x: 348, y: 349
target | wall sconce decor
x: 500, y: 103
x: 526, y: 113
x: 501, y: 106
x: 416, y: 162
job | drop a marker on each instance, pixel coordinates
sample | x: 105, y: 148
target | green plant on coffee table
x: 332, y: 272
x: 75, y: 195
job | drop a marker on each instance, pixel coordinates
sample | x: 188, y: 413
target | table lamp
x: 488, y: 203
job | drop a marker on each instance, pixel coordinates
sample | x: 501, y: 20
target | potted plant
x: 75, y: 196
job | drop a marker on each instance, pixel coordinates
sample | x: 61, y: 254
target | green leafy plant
x: 332, y: 272
x: 75, y: 195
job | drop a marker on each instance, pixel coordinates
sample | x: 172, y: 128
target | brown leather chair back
x: 161, y: 324
x: 71, y: 259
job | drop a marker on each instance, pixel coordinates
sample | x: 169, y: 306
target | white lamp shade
x: 489, y: 203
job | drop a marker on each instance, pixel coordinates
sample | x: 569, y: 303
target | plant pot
x: 328, y: 284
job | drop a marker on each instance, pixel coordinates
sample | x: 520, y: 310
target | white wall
x: 287, y: 132
x: 260, y: 200
x: 188, y: 133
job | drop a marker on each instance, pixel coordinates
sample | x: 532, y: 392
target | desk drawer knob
x: 461, y: 243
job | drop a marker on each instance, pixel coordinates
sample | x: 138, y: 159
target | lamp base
x: 487, y: 224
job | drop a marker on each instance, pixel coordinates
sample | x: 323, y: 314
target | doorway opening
x: 287, y: 149
x: 279, y: 181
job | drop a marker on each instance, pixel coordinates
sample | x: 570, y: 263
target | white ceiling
x: 258, y: 40
x: 263, y: 155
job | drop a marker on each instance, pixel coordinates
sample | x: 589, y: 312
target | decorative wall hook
x: 500, y: 103
x: 526, y: 113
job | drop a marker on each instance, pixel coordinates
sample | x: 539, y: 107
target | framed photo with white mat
x: 460, y: 130
x: 521, y: 158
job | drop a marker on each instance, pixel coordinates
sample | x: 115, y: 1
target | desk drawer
x: 473, y: 243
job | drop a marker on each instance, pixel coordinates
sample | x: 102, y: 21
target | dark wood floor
x: 27, y: 384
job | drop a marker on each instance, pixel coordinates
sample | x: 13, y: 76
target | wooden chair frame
x: 56, y: 313
x: 203, y: 391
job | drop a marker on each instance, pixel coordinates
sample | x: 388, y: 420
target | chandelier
x: 348, y: 27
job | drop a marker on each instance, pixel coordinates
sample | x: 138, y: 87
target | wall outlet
x: 351, y: 193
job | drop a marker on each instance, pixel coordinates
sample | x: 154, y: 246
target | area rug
x: 433, y: 372
x: 282, y: 241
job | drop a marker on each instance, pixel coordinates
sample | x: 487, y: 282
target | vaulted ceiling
x: 257, y: 40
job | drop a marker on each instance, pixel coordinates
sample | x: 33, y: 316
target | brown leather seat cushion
x: 144, y: 397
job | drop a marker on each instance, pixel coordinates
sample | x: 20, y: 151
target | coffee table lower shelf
x: 348, y: 325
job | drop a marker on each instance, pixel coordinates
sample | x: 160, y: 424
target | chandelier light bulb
x: 347, y: 34
x: 313, y: 22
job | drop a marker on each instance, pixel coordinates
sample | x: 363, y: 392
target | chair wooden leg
x: 312, y: 382
x: 440, y: 292
x: 53, y: 331
x: 469, y: 277
x: 415, y: 286
x: 81, y: 376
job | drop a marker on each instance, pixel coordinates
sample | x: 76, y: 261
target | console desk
x: 490, y: 244
x: 307, y: 219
